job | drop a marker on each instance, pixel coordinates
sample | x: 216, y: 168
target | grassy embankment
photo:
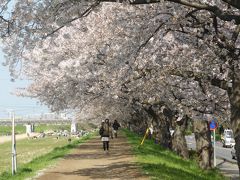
x: 6, y: 130
x: 21, y: 129
x: 34, y: 155
x: 163, y: 164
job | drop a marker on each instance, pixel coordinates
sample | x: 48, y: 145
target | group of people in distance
x: 108, y: 130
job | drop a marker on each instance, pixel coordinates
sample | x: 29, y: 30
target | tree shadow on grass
x: 161, y: 163
x: 163, y: 155
x: 162, y: 171
x: 26, y: 170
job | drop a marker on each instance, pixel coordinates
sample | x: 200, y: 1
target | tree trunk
x: 234, y: 97
x: 139, y: 126
x: 203, y: 143
x: 179, y: 144
x: 161, y: 131
x: 161, y: 126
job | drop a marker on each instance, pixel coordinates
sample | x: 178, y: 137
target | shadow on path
x: 89, y: 161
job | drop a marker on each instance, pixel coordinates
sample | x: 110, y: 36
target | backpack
x: 101, y: 130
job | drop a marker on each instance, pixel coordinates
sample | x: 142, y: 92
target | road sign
x: 213, y: 125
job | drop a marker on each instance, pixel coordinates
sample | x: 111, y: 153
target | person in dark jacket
x: 105, y: 132
x: 115, y: 126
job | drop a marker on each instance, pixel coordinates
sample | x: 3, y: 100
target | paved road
x: 228, y: 169
x: 221, y: 152
x: 224, y: 158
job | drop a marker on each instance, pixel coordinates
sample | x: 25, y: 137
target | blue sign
x: 213, y: 125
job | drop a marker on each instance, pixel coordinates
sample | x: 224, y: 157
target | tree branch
x: 199, y: 77
x: 223, y: 15
x: 85, y: 13
x: 214, y: 9
x: 233, y: 3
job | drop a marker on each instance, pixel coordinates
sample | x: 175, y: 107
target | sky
x: 22, y: 106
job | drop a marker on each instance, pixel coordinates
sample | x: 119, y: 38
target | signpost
x: 14, y: 154
x: 146, y: 133
x: 213, y: 125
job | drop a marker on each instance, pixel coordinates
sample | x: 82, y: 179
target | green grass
x: 45, y: 158
x: 54, y: 127
x: 7, y: 130
x: 218, y: 137
x: 27, y: 149
x: 188, y: 132
x: 160, y: 163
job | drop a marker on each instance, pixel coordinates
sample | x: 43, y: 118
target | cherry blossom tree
x: 176, y: 53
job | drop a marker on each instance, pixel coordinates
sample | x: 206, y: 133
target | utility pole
x: 14, y: 152
x: 214, y: 148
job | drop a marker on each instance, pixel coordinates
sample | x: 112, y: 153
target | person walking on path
x: 105, y: 132
x: 115, y: 126
x: 85, y: 162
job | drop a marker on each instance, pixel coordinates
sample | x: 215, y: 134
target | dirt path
x: 89, y: 161
x: 4, y: 139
